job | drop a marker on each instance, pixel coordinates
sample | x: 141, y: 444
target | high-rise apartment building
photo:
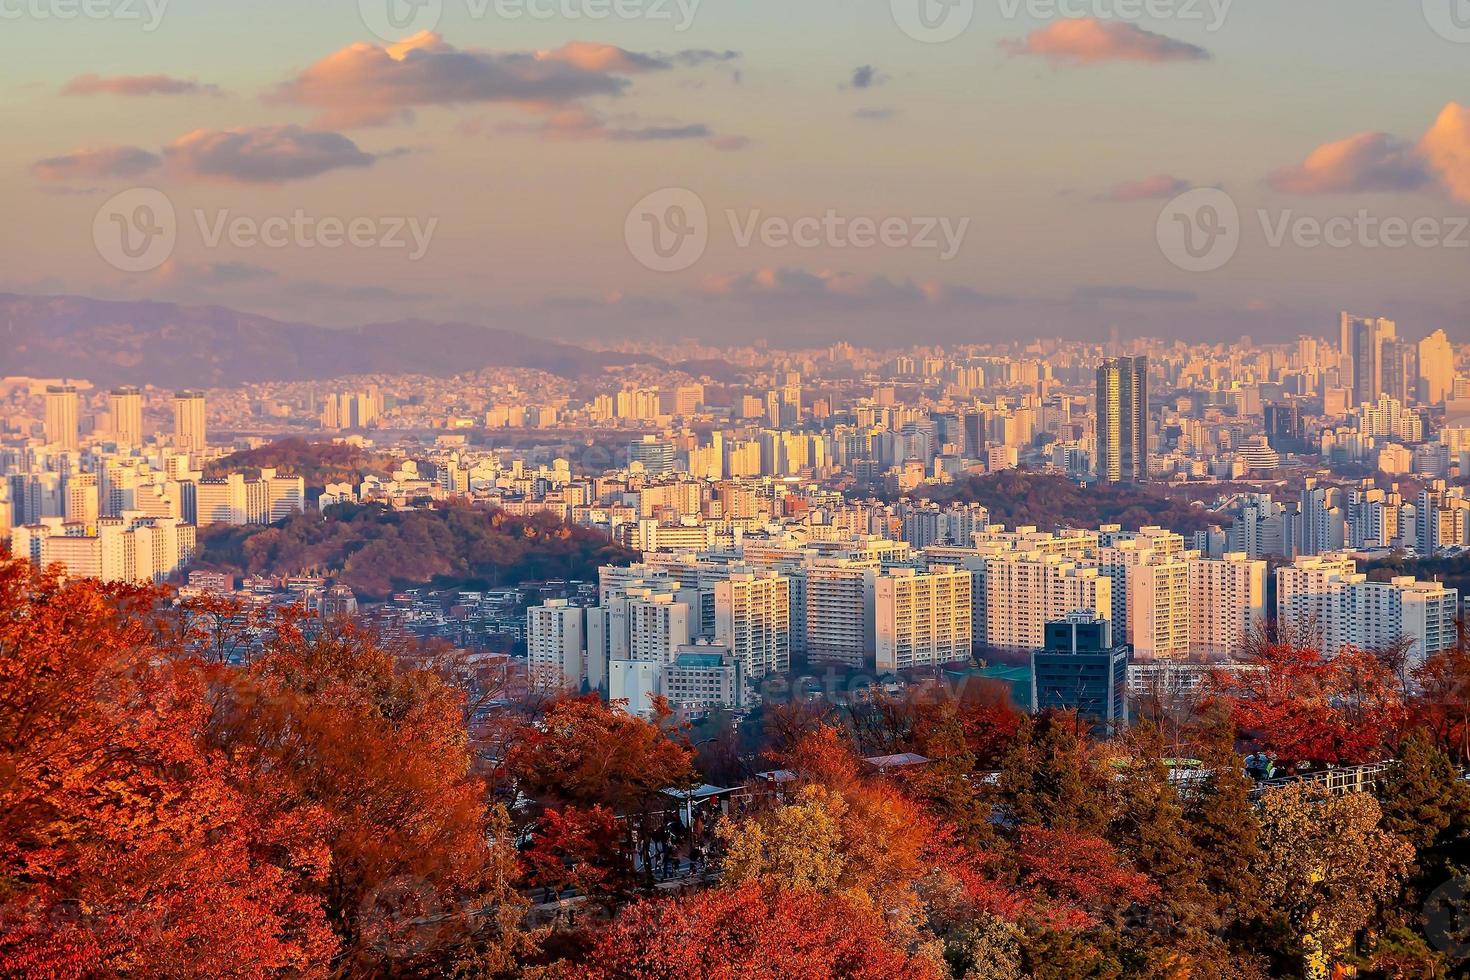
x: 1122, y: 420
x: 189, y: 431
x: 922, y: 619
x: 125, y: 406
x: 753, y: 621
x: 1436, y: 368
x: 61, y: 417
x: 555, y: 646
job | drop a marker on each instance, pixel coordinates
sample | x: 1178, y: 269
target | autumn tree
x: 584, y: 753
x: 1310, y: 707
x: 1442, y: 707
x: 418, y: 873
x: 126, y: 844
x: 1327, y: 862
x: 749, y: 933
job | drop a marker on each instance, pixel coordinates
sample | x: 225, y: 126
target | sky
x: 800, y: 171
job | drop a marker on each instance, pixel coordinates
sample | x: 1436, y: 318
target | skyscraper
x: 1363, y: 340
x: 189, y: 421
x: 1122, y: 420
x: 1436, y: 368
x: 61, y: 416
x: 126, y: 407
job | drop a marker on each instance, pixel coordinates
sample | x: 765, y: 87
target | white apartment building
x: 1338, y: 605
x: 1158, y: 605
x: 556, y: 645
x: 753, y: 621
x: 1026, y: 590
x: 1227, y: 603
x: 236, y: 500
x: 132, y: 548
x: 921, y: 619
x: 840, y: 610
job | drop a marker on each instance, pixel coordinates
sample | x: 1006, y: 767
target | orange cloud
x: 1447, y: 149
x: 135, y: 85
x: 1148, y: 189
x: 367, y: 84
x: 263, y: 154
x: 1362, y: 163
x: 1089, y: 41
x: 96, y: 164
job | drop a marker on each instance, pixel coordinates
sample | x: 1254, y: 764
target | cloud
x: 366, y: 84
x: 263, y: 154
x: 1091, y: 295
x: 99, y: 164
x: 577, y: 123
x: 1157, y: 187
x: 1090, y: 41
x: 135, y: 85
x: 1446, y: 148
x: 867, y: 76
x: 787, y: 290
x: 1358, y: 164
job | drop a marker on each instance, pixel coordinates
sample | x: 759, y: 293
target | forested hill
x: 377, y: 551
x: 1018, y: 499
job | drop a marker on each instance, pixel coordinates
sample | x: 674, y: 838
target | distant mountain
x: 109, y: 342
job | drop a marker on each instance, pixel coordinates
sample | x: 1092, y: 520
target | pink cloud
x: 1446, y: 147
x: 367, y: 84
x: 134, y: 85
x: 1362, y: 163
x: 263, y: 154
x: 1089, y: 41
x: 96, y: 164
x: 794, y: 290
x: 1157, y: 187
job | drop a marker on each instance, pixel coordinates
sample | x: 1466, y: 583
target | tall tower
x: 189, y: 421
x: 1363, y: 339
x: 61, y: 416
x: 126, y: 408
x: 1122, y: 420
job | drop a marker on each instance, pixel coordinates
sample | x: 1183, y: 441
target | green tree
x: 1050, y: 777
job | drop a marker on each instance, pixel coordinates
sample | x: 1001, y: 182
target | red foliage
x: 1078, y: 878
x: 577, y: 848
x: 125, y: 844
x: 750, y: 934
x: 1306, y: 706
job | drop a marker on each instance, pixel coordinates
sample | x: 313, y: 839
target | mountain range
x: 111, y: 342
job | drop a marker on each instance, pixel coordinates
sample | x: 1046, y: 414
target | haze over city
x: 523, y: 137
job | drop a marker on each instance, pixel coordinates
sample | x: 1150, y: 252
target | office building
x: 1079, y: 669
x: 1122, y: 420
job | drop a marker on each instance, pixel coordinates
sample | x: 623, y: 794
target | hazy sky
x: 1015, y: 180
